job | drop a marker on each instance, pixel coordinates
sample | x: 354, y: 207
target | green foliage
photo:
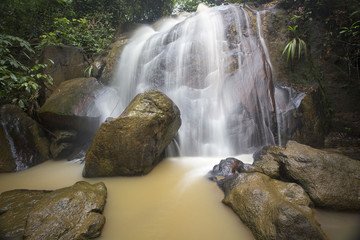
x: 93, y: 33
x: 191, y: 5
x: 187, y: 5
x: 28, y: 19
x: 350, y: 37
x: 86, y: 23
x: 19, y: 83
x: 295, y: 45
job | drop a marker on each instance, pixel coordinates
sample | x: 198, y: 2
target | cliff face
x: 325, y: 67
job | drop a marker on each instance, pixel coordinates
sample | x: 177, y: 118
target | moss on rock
x: 133, y: 143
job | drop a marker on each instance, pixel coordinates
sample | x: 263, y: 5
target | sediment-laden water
x: 175, y: 201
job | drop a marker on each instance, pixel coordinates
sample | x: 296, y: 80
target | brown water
x: 174, y: 201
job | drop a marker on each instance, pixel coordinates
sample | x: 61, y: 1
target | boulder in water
x: 272, y: 209
x: 133, y: 143
x: 23, y: 143
x: 68, y: 213
x: 331, y: 180
x: 72, y: 106
x: 228, y: 167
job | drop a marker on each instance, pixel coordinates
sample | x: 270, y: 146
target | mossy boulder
x: 23, y: 143
x: 332, y: 180
x: 133, y: 143
x: 72, y: 106
x: 68, y: 62
x: 69, y: 213
x: 272, y: 209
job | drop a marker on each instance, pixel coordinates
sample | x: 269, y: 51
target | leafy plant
x: 19, y: 83
x: 350, y: 37
x: 92, y: 33
x: 295, y: 45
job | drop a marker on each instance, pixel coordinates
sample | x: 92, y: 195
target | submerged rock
x: 72, y: 106
x: 69, y: 213
x: 23, y: 143
x: 272, y: 209
x: 331, y: 180
x: 133, y: 143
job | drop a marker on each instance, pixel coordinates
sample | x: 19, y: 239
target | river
x: 174, y: 201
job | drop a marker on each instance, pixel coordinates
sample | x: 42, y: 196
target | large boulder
x: 104, y: 66
x: 23, y: 143
x: 69, y: 213
x: 67, y: 63
x: 331, y: 180
x: 72, y: 106
x: 133, y: 143
x: 272, y: 209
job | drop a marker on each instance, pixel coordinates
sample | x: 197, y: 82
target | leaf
x: 21, y: 103
x: 293, y: 48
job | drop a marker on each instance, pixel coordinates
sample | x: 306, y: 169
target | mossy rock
x: 104, y: 66
x: 73, y: 212
x: 72, y: 106
x: 133, y: 143
x: 272, y: 209
x: 23, y: 142
x: 330, y: 179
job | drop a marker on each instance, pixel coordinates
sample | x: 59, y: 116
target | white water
x: 213, y: 67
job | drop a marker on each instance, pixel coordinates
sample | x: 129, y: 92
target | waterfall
x: 213, y: 65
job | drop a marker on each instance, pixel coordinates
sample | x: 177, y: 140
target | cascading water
x: 213, y: 66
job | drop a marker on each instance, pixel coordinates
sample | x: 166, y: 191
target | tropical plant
x: 19, y: 83
x: 92, y: 33
x: 350, y: 37
x: 295, y: 45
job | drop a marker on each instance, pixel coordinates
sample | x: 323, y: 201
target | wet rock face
x: 68, y: 63
x: 68, y: 213
x: 133, y: 143
x: 72, y: 106
x: 228, y: 167
x: 331, y: 180
x: 312, y: 120
x: 23, y: 143
x: 62, y: 143
x: 270, y: 208
x: 104, y: 67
